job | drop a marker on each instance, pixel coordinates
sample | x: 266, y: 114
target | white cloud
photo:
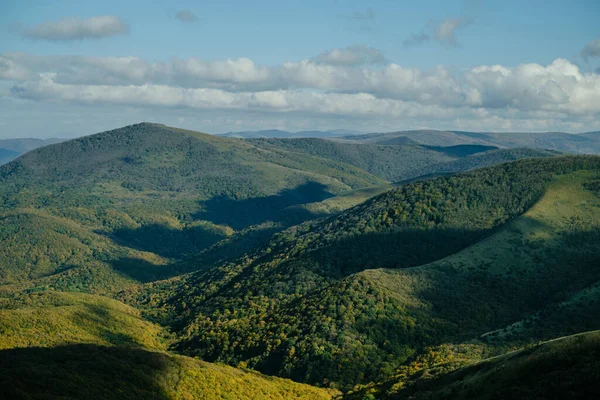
x: 352, y: 56
x: 76, y: 28
x: 186, y: 16
x: 551, y: 95
x: 592, y: 49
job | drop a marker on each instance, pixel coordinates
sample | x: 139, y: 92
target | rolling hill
x: 351, y: 298
x: 104, y: 211
x: 380, y: 270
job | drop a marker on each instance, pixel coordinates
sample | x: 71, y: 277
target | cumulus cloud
x: 559, y: 91
x: 78, y: 29
x: 443, y: 33
x: 186, y: 16
x: 352, y: 56
x: 592, y: 49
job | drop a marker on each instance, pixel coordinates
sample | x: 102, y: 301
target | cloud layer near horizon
x: 349, y: 82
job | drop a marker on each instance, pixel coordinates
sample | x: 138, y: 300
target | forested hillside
x: 302, y: 308
x: 299, y: 258
x: 103, y: 211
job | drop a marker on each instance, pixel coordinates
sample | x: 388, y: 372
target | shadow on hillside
x: 166, y: 241
x: 461, y: 150
x: 240, y: 214
x: 84, y: 371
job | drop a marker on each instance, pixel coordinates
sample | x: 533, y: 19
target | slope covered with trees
x: 105, y: 211
x: 310, y: 305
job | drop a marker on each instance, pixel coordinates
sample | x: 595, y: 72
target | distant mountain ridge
x: 581, y: 143
x: 280, y: 134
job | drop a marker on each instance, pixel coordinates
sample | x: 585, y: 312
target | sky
x: 72, y: 68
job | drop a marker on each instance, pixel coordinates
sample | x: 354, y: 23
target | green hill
x: 53, y: 344
x: 48, y: 319
x: 391, y: 163
x: 296, y: 258
x: 565, y: 368
x: 302, y: 308
x: 95, y: 372
x: 105, y: 211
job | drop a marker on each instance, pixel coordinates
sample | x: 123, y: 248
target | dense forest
x: 298, y: 309
x: 175, y: 264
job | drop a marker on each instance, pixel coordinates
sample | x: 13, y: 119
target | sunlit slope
x: 565, y: 368
x: 53, y: 344
x: 48, y: 319
x: 87, y: 371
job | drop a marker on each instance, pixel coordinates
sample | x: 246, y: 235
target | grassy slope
x: 565, y: 368
x: 54, y: 344
x: 48, y: 319
x: 96, y: 372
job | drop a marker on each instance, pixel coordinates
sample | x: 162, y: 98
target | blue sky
x: 430, y: 64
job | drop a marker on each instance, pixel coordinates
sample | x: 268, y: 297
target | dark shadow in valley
x: 461, y: 150
x: 83, y: 371
x: 240, y: 214
x: 166, y: 241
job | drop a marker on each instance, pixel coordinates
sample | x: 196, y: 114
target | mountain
x: 137, y: 262
x: 13, y: 148
x: 584, y: 143
x: 351, y: 298
x: 275, y: 133
x: 104, y: 211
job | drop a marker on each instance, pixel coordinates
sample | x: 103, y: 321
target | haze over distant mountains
x: 581, y: 143
x: 277, y: 133
x: 13, y: 148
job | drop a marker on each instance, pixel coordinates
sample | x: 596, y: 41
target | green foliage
x: 48, y: 319
x: 97, y: 372
x: 392, y: 163
x: 559, y: 369
x: 298, y: 309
